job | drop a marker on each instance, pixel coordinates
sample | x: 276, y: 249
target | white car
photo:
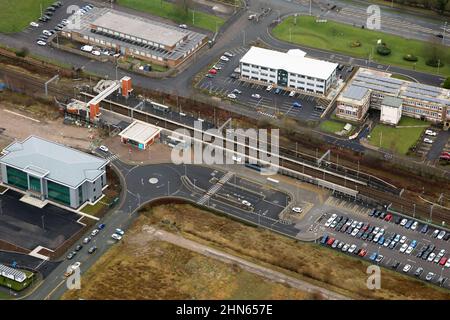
x: 328, y: 223
x: 104, y: 148
x: 376, y: 230
x: 41, y: 43
x: 441, y: 235
x: 182, y: 26
x: 75, y: 265
x: 292, y: 93
x: 447, y: 264
x: 246, y: 203
x: 333, y: 216
x: 354, y: 224
x: 429, y: 132
x: 34, y: 24
x: 403, y: 239
x: 426, y: 140
x: 117, y: 237
x: 223, y: 58
x: 96, y: 53
x: 403, y: 222
x: 270, y: 87
x: 87, y: 48
x: 431, y: 257
x: 441, y: 253
x: 345, y: 247
x: 228, y: 54
x: 297, y: 209
x: 403, y: 248
x: 65, y: 22
x: 120, y: 231
x: 256, y: 96
x: 231, y: 96
x: 409, y: 250
x: 352, y: 248
x: 47, y: 33
x: 414, y: 225
x: 354, y: 232
x: 406, y: 268
x: 94, y: 232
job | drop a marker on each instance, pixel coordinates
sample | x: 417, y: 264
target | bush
x: 410, y: 57
x: 434, y: 63
x: 446, y: 84
x: 383, y: 50
x: 22, y: 52
x: 355, y: 44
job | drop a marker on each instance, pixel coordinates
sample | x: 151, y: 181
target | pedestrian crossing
x: 112, y: 157
x: 224, y: 179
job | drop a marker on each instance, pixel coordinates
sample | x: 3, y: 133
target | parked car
x: 277, y: 90
x: 47, y: 32
x: 212, y: 71
x: 117, y: 237
x: 373, y: 256
x: 427, y: 140
x: 395, y: 264
x: 362, y: 253
x: 236, y: 91
x: 429, y: 132
x: 246, y: 203
x: 104, y: 148
x: 94, y: 232
x: 403, y: 248
x: 431, y: 257
x: 418, y: 271
x: 92, y: 249
x: 70, y: 256
x: 424, y: 229
x: 41, y: 43
x: 292, y: 93
x: 352, y: 248
x: 34, y: 24
x: 231, y: 96
x: 435, y: 233
x: 324, y: 239
x: 298, y: 210
x: 408, y: 224
x: 414, y: 225
x: 182, y: 26
x: 441, y: 235
x: 228, y: 54
x: 223, y: 58
x: 269, y: 87
x: 403, y: 222
x: 388, y: 217
x: 101, y: 226
x: 345, y: 247
x: 296, y: 104
x: 406, y: 268
x: 256, y: 96
x: 429, y: 276
x: 379, y: 258
x: 87, y: 240
x: 330, y: 241
x: 78, y: 247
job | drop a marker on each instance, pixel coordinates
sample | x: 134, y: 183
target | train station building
x: 140, y: 134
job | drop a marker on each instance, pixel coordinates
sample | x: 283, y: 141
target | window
x: 35, y: 184
x: 58, y: 192
x: 17, y: 178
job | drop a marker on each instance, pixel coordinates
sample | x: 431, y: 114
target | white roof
x: 54, y: 161
x: 140, y: 132
x: 291, y: 61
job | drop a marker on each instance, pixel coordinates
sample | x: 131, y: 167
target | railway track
x: 372, y: 187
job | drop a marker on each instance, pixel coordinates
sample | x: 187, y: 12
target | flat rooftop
x: 139, y: 28
x: 53, y: 161
x: 290, y: 61
x: 354, y: 92
x: 140, y: 132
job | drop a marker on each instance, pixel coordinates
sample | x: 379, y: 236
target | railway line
x: 364, y: 184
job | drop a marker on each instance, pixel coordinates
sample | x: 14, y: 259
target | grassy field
x: 159, y: 270
x: 170, y: 11
x: 338, y: 37
x: 16, y: 15
x: 397, y: 139
x: 332, y: 126
x: 310, y: 262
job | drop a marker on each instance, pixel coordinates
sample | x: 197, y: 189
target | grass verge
x: 16, y: 15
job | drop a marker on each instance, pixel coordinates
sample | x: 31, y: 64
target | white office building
x: 288, y: 70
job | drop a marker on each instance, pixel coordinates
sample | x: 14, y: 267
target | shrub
x: 383, y: 50
x: 434, y: 63
x: 410, y: 57
x: 356, y: 44
x: 446, y: 84
x: 22, y: 52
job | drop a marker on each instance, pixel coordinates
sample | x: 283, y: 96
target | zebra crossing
x: 224, y: 179
x: 112, y: 157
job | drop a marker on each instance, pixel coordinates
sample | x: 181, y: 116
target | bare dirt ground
x: 159, y: 268
x: 20, y: 127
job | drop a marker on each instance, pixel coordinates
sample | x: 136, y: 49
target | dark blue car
x: 297, y: 104
x: 101, y: 226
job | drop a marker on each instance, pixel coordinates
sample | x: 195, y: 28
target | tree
x: 434, y: 53
x: 22, y: 52
x: 446, y: 84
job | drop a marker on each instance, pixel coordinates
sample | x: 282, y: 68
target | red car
x: 388, y: 217
x: 443, y: 261
x: 362, y: 253
x: 212, y: 71
x: 330, y: 241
